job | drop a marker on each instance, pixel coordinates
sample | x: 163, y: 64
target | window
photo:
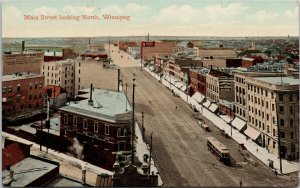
x: 291, y: 123
x: 85, y: 124
x: 106, y: 130
x: 258, y: 101
x: 18, y: 99
x: 79, y: 80
x: 267, y: 104
x: 121, y: 132
x: 291, y: 97
x: 282, y: 134
x: 280, y: 97
x: 65, y: 81
x: 9, y: 89
x: 9, y: 99
x: 293, y: 148
x: 66, y: 118
x: 41, y: 84
x: 30, y: 96
x: 255, y: 100
x: 281, y: 121
x: 267, y: 117
x: 259, y: 124
x: 4, y: 90
x: 259, y: 112
x: 273, y: 107
x: 96, y: 127
x: 272, y: 95
x: 121, y: 146
x: 65, y: 75
x: 268, y: 129
x: 75, y: 121
x: 262, y: 103
x: 79, y: 71
x: 292, y: 135
x: 291, y: 110
x: 274, y: 133
x: 30, y: 86
x: 66, y: 68
x: 274, y: 144
x: 266, y: 93
x: 281, y: 108
x: 40, y: 95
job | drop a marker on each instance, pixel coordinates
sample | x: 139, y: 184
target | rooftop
x: 57, y: 54
x: 279, y: 80
x: 107, y: 104
x: 29, y: 170
x: 19, y: 76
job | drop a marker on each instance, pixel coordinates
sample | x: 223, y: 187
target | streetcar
x: 219, y: 150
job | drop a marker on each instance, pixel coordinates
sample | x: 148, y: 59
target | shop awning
x: 178, y: 84
x: 207, y: 103
x: 252, y: 133
x: 238, y: 123
x: 183, y: 88
x: 213, y: 107
x: 226, y: 118
x: 198, y: 97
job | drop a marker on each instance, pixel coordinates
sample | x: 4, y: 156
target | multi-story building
x: 196, y: 51
x: 60, y: 73
x: 273, y: 103
x: 149, y: 50
x: 22, y: 62
x: 177, y: 49
x: 21, y: 91
x: 101, y: 121
x: 100, y: 73
x: 219, y: 85
x: 198, y: 80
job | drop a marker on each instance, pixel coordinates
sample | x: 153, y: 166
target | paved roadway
x: 179, y: 144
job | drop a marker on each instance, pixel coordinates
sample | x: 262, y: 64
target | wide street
x: 179, y: 144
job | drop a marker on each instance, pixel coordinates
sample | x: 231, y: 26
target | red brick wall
x: 8, y: 107
x: 94, y: 143
x: 226, y: 110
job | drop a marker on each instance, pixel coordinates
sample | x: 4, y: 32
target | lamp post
x: 133, y: 124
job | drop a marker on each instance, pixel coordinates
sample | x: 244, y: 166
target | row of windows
x: 56, y: 82
x: 240, y: 80
x: 121, y: 132
x: 10, y: 88
x: 239, y: 90
x: 52, y: 67
x: 240, y: 111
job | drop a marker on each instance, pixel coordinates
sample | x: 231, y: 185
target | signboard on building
x: 148, y: 44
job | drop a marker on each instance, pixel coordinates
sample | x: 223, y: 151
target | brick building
x: 21, y: 91
x: 124, y: 44
x: 158, y: 49
x: 101, y: 120
x: 251, y: 61
x: 198, y: 80
x: 22, y: 62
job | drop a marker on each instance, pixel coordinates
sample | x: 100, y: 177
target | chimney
x: 83, y: 175
x: 211, y: 68
x: 8, y: 167
x: 23, y: 46
x: 90, y: 102
x: 11, y: 174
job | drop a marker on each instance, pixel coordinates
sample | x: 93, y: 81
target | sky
x: 161, y: 18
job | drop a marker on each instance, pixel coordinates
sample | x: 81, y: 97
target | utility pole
x: 278, y: 134
x: 150, y: 154
x: 41, y: 127
x: 143, y: 129
x: 230, y: 125
x: 47, y: 121
x: 133, y: 124
x: 126, y: 94
x: 119, y: 71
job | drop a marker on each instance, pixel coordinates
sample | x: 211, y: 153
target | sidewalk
x: 261, y: 153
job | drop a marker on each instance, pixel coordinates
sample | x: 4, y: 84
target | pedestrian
x: 176, y: 107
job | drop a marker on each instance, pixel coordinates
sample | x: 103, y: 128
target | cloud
x: 45, y: 10
x: 218, y: 10
x: 11, y: 13
x: 182, y: 13
x: 132, y: 7
x: 292, y: 13
x: 112, y: 9
x: 75, y: 10
x: 262, y: 16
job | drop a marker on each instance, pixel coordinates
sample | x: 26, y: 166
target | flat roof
x: 106, y: 104
x: 19, y: 76
x: 28, y: 170
x: 65, y: 182
x: 54, y: 126
x: 279, y: 80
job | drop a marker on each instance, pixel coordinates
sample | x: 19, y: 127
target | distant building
x: 22, y: 62
x: 101, y: 73
x: 198, y: 80
x: 56, y: 94
x: 250, y: 61
x: 217, y: 53
x: 60, y: 73
x: 21, y: 91
x: 101, y: 120
x: 123, y: 45
x: 219, y: 85
x: 157, y: 49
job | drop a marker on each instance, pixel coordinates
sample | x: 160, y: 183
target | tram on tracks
x: 218, y: 149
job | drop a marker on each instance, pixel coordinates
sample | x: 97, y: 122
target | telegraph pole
x: 230, y: 125
x: 126, y: 94
x: 279, y: 146
x: 133, y: 124
x: 143, y: 129
x: 150, y: 154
